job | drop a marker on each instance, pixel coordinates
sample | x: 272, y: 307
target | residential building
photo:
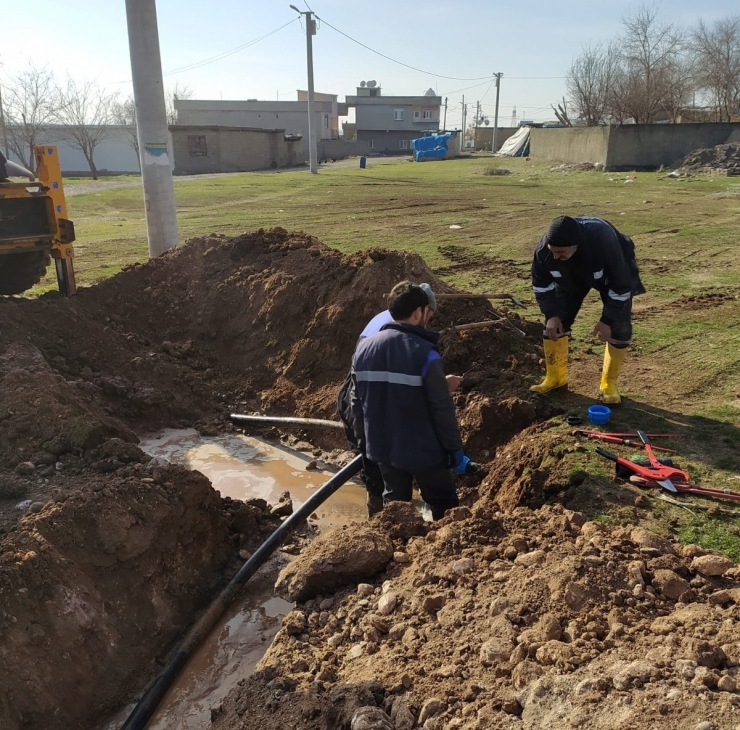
x: 291, y: 116
x: 388, y: 124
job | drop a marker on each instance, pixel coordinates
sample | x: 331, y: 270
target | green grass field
x: 685, y: 368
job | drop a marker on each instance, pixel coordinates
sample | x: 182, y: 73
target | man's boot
x: 613, y: 361
x: 556, y: 364
x: 374, y: 503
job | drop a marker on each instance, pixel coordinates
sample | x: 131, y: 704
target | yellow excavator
x: 34, y: 227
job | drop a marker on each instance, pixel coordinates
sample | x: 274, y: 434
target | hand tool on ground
x: 614, y: 439
x: 460, y: 295
x: 656, y: 472
x: 664, y: 481
x: 487, y: 323
x: 686, y: 488
x: 634, y: 433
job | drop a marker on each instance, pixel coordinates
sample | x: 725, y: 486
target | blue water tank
x: 363, y: 162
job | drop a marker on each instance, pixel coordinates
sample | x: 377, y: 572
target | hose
x: 148, y: 704
x: 238, y: 418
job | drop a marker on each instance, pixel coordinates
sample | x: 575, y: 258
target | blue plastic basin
x: 599, y: 415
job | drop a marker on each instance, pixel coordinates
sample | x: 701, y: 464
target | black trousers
x: 571, y: 302
x: 435, y: 484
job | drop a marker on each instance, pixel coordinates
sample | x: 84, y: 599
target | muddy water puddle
x: 243, y: 468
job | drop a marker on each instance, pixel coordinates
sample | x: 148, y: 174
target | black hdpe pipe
x: 148, y: 704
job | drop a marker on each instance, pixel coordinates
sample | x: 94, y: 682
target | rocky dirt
x: 512, y: 612
x: 105, y: 556
x: 724, y: 159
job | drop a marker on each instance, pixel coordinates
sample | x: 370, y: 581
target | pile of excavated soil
x: 487, y: 619
x: 724, y: 159
x: 105, y: 556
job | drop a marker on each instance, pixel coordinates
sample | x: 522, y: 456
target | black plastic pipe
x: 148, y: 704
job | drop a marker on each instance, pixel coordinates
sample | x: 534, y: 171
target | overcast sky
x: 532, y: 42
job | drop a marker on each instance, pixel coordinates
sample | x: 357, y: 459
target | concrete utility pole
x: 495, y: 116
x: 310, y: 31
x: 462, y: 140
x: 444, y: 124
x: 151, y: 126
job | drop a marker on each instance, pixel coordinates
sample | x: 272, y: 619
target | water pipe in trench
x: 148, y: 704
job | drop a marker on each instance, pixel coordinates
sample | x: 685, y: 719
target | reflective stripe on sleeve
x: 619, y: 297
x: 556, y: 274
x: 383, y: 376
x: 543, y: 289
x: 598, y: 274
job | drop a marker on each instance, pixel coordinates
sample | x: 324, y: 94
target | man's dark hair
x: 563, y: 231
x: 405, y: 298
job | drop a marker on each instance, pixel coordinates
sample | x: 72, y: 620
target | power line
x: 400, y: 63
x: 231, y: 52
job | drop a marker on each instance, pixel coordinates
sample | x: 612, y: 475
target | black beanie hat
x: 563, y: 231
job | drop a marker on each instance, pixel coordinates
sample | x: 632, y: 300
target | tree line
x: 656, y: 70
x: 36, y: 109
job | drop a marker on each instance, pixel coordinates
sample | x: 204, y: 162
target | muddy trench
x: 513, y: 611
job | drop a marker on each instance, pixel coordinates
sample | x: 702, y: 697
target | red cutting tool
x: 683, y: 488
x: 615, y: 438
x: 656, y: 472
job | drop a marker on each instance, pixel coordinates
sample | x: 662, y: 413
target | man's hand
x: 554, y: 328
x: 603, y: 331
x: 453, y: 382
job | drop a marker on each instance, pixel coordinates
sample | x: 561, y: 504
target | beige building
x: 199, y: 149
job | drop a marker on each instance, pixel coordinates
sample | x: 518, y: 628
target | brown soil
x: 507, y: 613
x: 106, y: 556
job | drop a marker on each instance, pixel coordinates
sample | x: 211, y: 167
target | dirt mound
x: 109, y: 555
x: 535, y: 618
x: 724, y: 159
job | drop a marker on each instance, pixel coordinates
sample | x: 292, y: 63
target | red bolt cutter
x: 656, y: 472
x: 615, y: 438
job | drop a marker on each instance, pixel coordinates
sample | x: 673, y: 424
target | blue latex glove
x: 461, y: 462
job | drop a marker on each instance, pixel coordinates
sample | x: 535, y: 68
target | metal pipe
x: 239, y: 418
x: 148, y: 704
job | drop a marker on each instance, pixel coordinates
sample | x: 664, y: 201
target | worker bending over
x: 573, y: 257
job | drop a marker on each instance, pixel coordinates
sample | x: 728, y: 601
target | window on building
x: 326, y: 121
x: 197, y: 146
x: 403, y: 144
x: 416, y: 116
x: 372, y: 144
x: 427, y: 114
x: 398, y: 115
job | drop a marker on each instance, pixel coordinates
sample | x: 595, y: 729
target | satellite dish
x: 372, y: 84
x: 486, y: 122
x: 362, y: 84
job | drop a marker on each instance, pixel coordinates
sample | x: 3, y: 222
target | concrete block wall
x: 484, y: 137
x: 570, y: 144
x: 339, y: 149
x: 230, y: 149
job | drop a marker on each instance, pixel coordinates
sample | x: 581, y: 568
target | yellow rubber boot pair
x: 613, y: 361
x: 556, y: 364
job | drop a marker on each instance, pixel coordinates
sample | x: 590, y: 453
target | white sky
x: 532, y: 42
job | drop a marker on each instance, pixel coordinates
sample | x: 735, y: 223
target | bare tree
x: 86, y: 112
x: 124, y: 114
x: 717, y: 53
x: 590, y: 83
x: 678, y: 84
x: 31, y: 103
x: 173, y: 95
x: 649, y: 51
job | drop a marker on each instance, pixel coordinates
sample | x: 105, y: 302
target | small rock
x: 356, y: 651
x: 371, y: 718
x: 645, y: 539
x: 463, y: 566
x: 511, y: 706
x: 401, y: 557
x: 295, y: 623
x: 431, y: 708
x: 706, y: 725
x: 406, y: 681
x: 529, y: 560
x: 387, y: 604
x: 433, y: 603
x: 495, y: 651
x: 25, y: 468
x: 711, y: 565
x: 727, y: 684
x: 35, y: 507
x: 670, y: 584
x: 364, y: 590
x: 326, y: 604
x: 576, y: 596
x: 245, y: 554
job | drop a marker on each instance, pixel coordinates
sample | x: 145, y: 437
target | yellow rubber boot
x: 613, y: 361
x: 556, y: 363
